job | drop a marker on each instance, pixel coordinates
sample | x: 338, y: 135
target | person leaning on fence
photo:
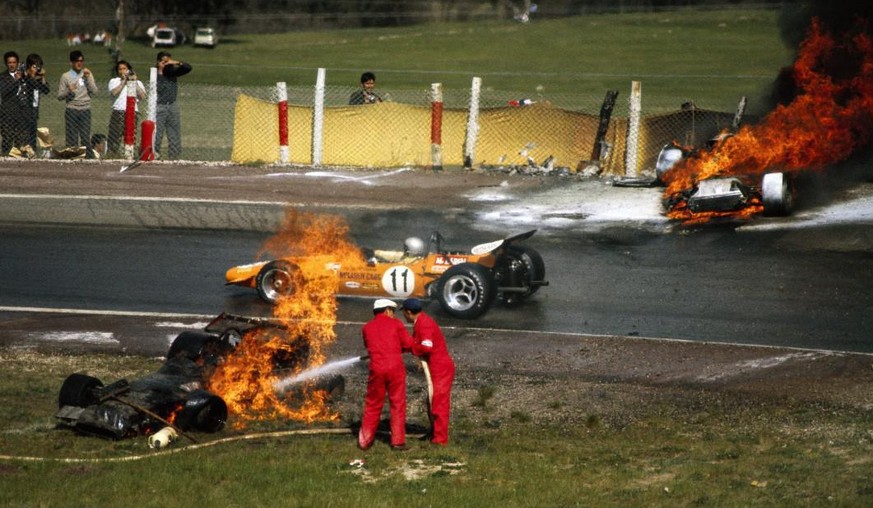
x: 365, y: 95
x: 168, y: 118
x: 118, y: 88
x: 10, y: 110
x: 33, y: 86
x: 76, y: 88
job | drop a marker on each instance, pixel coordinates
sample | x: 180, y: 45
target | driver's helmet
x: 414, y: 246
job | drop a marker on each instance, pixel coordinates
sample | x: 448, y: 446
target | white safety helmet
x: 414, y: 246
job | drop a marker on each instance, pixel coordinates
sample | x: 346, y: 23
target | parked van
x: 205, y: 37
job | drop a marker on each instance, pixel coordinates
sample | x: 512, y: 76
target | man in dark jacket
x: 429, y: 344
x: 10, y: 107
x: 386, y: 339
x: 168, y: 118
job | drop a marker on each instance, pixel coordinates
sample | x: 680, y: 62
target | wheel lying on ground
x: 275, y: 280
x: 78, y: 391
x: 777, y: 195
x: 519, y: 267
x: 466, y: 290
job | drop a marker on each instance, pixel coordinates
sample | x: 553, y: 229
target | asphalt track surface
x: 157, y: 244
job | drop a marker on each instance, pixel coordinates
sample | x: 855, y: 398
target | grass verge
x: 690, y: 448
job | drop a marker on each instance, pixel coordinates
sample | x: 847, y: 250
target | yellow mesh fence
x: 391, y: 134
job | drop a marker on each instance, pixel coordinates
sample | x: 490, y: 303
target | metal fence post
x: 436, y: 126
x: 130, y: 119
x: 282, y: 93
x: 472, y: 124
x: 633, y: 130
x: 318, y: 119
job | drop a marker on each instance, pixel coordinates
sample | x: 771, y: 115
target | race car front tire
x: 203, y: 411
x: 466, y: 290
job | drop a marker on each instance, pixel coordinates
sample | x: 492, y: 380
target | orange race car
x: 466, y: 284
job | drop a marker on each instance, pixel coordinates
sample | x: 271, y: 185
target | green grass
x: 732, y: 453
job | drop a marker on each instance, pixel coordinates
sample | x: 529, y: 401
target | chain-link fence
x: 221, y: 123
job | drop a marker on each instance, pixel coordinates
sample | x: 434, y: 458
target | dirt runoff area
x: 572, y: 379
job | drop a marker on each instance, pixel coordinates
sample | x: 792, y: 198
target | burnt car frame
x: 173, y: 395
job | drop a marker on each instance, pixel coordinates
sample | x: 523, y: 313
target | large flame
x: 317, y: 245
x: 830, y: 118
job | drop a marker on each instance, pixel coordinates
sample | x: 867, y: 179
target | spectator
x: 98, y: 144
x: 168, y: 119
x: 386, y: 339
x: 365, y: 95
x: 76, y: 88
x: 10, y: 109
x: 118, y: 89
x: 33, y: 87
x: 429, y: 344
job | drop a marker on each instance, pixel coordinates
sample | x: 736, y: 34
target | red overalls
x: 386, y: 339
x: 430, y: 344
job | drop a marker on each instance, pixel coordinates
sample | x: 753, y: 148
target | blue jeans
x: 167, y: 120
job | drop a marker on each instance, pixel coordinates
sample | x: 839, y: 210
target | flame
x: 317, y: 245
x: 830, y: 118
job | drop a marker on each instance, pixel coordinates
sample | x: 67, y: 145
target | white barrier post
x: 282, y: 93
x: 318, y: 119
x: 472, y: 124
x: 436, y: 126
x: 633, y: 130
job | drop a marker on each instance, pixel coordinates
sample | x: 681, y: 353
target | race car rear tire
x: 466, y: 290
x: 78, y: 390
x: 534, y: 269
x: 777, y: 195
x: 275, y: 280
x: 203, y: 411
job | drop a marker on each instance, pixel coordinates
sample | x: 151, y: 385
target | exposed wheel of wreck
x: 777, y: 194
x: 466, y: 290
x: 276, y: 279
x: 191, y: 344
x: 78, y: 390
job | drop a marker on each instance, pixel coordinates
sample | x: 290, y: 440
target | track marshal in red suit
x: 429, y: 344
x: 386, y: 339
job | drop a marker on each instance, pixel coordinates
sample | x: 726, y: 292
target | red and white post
x: 436, y: 126
x: 130, y: 121
x: 282, y: 93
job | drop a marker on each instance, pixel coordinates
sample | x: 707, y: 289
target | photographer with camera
x: 76, y: 88
x: 124, y: 75
x: 168, y: 118
x: 11, y: 121
x: 33, y: 86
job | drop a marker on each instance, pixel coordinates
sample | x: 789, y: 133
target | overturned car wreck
x: 175, y: 395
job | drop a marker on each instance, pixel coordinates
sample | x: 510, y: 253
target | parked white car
x: 206, y: 37
x: 167, y: 37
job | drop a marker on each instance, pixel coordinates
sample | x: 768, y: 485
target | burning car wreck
x: 178, y: 394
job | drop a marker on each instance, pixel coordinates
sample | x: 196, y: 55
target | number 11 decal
x: 398, y: 281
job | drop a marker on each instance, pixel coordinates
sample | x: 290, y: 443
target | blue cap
x: 413, y: 304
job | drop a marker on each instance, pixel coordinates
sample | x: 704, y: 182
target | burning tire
x: 777, y: 194
x: 276, y: 279
x: 519, y: 268
x: 78, y: 391
x: 202, y: 411
x: 466, y: 290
